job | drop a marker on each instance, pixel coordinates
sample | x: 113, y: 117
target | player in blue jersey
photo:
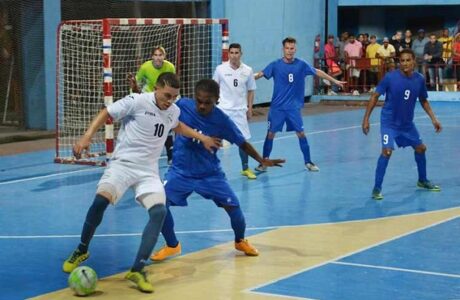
x: 401, y: 89
x: 146, y: 118
x: 194, y: 169
x: 288, y: 98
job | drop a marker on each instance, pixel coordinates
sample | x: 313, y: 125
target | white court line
x: 96, y: 168
x: 49, y: 176
x: 256, y: 142
x: 281, y: 296
x: 396, y: 269
x: 214, y: 230
x: 249, y: 290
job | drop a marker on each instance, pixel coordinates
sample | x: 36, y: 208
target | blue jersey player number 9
x: 406, y: 94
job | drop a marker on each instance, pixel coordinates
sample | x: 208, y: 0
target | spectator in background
x: 371, y: 52
x: 446, y: 42
x: 396, y: 41
x: 456, y: 58
x: 433, y: 57
x: 341, y: 49
x: 318, y: 49
x: 353, y: 51
x: 331, y: 57
x: 407, y: 41
x: 418, y: 46
x: 365, y: 43
x: 387, y: 52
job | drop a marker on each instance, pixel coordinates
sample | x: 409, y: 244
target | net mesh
x: 195, y: 49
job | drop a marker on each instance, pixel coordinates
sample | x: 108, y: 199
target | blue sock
x: 168, y: 229
x: 420, y: 159
x: 305, y: 149
x: 382, y: 164
x: 93, y: 219
x: 268, y: 145
x: 244, y: 159
x: 149, y: 236
x: 237, y: 221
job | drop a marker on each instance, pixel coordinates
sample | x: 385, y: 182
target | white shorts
x: 239, y: 117
x: 123, y: 175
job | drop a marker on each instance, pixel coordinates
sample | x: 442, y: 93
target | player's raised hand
x: 437, y: 126
x: 211, y: 143
x: 132, y: 83
x: 81, y: 146
x: 273, y: 162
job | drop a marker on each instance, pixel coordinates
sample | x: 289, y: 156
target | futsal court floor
x: 320, y: 235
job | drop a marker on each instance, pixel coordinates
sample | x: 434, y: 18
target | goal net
x: 95, y: 56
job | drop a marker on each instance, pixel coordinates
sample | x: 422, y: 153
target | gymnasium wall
x: 260, y: 26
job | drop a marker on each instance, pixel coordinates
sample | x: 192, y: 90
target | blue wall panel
x: 261, y: 25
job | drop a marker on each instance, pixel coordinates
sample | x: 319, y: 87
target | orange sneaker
x: 166, y: 252
x: 248, y: 249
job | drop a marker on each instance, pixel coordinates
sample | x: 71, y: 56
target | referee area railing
x: 363, y: 74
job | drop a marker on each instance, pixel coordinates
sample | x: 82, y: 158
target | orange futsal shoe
x: 166, y: 252
x: 248, y: 249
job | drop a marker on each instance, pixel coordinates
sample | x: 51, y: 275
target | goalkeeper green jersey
x: 147, y: 75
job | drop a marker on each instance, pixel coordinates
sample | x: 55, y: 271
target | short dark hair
x: 289, y: 39
x: 234, y: 46
x: 168, y: 79
x: 208, y: 86
x: 407, y: 51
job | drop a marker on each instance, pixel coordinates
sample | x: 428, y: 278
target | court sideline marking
x: 250, y: 290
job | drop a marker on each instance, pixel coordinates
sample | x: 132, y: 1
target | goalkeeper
x: 147, y: 77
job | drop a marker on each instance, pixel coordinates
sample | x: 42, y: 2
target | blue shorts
x: 292, y: 118
x: 402, y: 137
x: 216, y: 188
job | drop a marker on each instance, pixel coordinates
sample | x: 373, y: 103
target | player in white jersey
x: 237, y: 86
x: 146, y: 120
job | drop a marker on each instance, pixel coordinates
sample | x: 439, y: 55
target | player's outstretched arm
x: 210, y: 143
x: 370, y: 107
x: 85, y: 140
x: 252, y: 152
x: 258, y: 75
x: 324, y: 75
x: 427, y: 107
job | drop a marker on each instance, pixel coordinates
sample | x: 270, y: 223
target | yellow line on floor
x: 222, y: 273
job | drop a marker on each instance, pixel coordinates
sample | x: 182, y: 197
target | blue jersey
x: 289, y: 82
x: 401, y: 93
x: 190, y: 158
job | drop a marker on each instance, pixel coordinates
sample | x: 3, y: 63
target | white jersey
x: 234, y: 86
x: 144, y: 128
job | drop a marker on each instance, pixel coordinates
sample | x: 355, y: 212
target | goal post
x: 95, y: 56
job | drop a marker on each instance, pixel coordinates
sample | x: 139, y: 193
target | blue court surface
x: 43, y: 206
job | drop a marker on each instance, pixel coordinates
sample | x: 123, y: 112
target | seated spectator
x: 387, y: 53
x: 456, y: 58
x: 341, y: 49
x: 418, y: 45
x: 396, y: 41
x: 353, y: 51
x: 407, y: 41
x: 371, y: 53
x: 446, y: 42
x: 331, y: 57
x: 433, y: 58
